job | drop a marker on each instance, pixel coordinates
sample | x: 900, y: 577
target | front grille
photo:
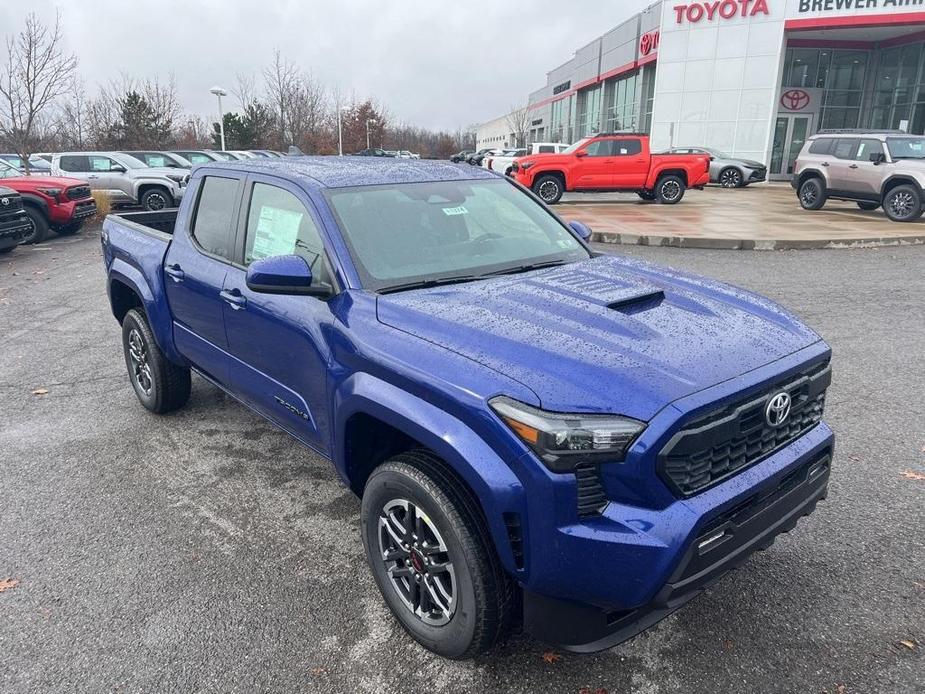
x: 591, y: 496
x: 722, y: 443
x: 78, y: 192
x: 10, y: 203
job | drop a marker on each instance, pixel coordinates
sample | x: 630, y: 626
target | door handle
x: 853, y: 166
x: 825, y: 163
x: 233, y: 298
x: 175, y: 272
x: 92, y: 176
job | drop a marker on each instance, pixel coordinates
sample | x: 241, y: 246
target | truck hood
x: 42, y: 181
x: 608, y: 334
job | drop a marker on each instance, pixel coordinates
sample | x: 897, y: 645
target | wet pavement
x: 764, y: 216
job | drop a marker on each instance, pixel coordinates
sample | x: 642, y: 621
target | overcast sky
x: 433, y: 63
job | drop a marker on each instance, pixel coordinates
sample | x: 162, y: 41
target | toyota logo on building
x: 778, y: 409
x: 648, y: 43
x: 794, y: 99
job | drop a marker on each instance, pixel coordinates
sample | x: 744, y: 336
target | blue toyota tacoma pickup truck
x: 541, y: 435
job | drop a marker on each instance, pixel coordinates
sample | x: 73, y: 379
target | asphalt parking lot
x: 206, y: 551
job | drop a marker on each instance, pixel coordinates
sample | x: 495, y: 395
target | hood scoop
x: 632, y: 305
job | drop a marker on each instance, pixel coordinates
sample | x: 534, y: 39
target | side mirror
x: 878, y: 157
x: 117, y: 168
x: 581, y: 153
x: 582, y: 229
x: 282, y: 274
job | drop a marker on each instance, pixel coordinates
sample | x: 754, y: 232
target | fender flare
x: 898, y: 179
x: 37, y: 201
x: 158, y: 314
x: 497, y: 489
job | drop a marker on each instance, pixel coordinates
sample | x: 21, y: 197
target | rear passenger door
x: 197, y: 262
x: 839, y: 171
x: 631, y: 165
x: 279, y: 356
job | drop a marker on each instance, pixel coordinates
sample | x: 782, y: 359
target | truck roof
x: 350, y: 171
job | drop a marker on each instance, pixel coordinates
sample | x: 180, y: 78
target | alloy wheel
x: 29, y: 236
x: 671, y: 190
x: 141, y: 369
x: 155, y: 201
x: 902, y: 204
x: 730, y: 178
x: 809, y: 194
x: 417, y: 562
x: 549, y: 190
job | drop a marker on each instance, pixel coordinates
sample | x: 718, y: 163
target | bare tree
x: 165, y: 106
x: 73, y: 118
x: 37, y: 72
x: 244, y: 90
x: 518, y: 120
x: 282, y: 80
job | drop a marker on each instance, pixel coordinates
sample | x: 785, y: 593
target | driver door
x: 595, y: 169
x: 276, y: 342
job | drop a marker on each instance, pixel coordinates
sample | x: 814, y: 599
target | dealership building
x: 752, y: 78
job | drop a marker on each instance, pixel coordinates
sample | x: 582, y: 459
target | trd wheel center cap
x: 417, y: 561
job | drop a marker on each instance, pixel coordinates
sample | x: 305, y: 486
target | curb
x: 745, y: 244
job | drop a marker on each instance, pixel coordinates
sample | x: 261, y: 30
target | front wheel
x: 812, y: 194
x: 161, y: 385
x: 431, y: 555
x: 156, y: 199
x: 903, y: 204
x: 38, y: 226
x: 669, y: 190
x: 549, y: 189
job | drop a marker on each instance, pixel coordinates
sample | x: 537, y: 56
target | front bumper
x: 13, y: 229
x: 72, y: 211
x: 756, y: 175
x: 719, y: 539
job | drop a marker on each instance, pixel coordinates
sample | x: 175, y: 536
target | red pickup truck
x: 51, y: 203
x: 611, y: 162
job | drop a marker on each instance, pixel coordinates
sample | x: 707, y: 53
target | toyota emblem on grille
x: 6, y: 201
x: 778, y: 409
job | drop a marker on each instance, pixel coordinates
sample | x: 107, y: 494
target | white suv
x: 869, y: 167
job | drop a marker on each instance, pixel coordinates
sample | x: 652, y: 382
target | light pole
x: 219, y: 92
x: 368, y: 121
x: 340, y: 136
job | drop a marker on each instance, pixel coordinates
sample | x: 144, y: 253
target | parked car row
x: 379, y: 152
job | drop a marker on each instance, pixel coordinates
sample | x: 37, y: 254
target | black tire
x: 670, y: 190
x: 69, y: 229
x: 731, y: 177
x: 156, y: 199
x: 646, y: 195
x: 168, y: 384
x: 8, y: 249
x: 549, y: 189
x: 812, y: 194
x: 39, y: 226
x: 868, y: 206
x: 482, y: 593
x: 903, y: 204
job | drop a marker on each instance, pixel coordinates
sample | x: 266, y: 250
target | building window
x: 897, y: 92
x: 838, y: 73
x: 621, y: 99
x: 589, y: 112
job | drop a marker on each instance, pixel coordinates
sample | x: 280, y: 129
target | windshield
x: 12, y: 160
x: 420, y: 232
x: 7, y: 171
x: 906, y: 147
x: 578, y: 145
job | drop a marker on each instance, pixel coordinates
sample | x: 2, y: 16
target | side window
x: 543, y: 149
x: 868, y: 147
x: 98, y: 163
x: 821, y: 146
x: 196, y: 158
x: 845, y: 148
x: 626, y: 148
x: 279, y: 224
x: 214, y: 224
x: 73, y: 163
x: 599, y: 148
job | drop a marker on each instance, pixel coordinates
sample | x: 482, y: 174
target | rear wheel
x: 38, y: 226
x: 730, y: 177
x: 161, y: 385
x: 812, y: 194
x: 868, y: 206
x: 431, y: 556
x: 8, y: 249
x: 669, y: 190
x: 549, y: 189
x: 903, y: 204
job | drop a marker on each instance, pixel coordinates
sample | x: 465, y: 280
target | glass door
x: 790, y: 133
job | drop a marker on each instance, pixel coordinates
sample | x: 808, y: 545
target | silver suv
x: 124, y: 178
x: 869, y: 167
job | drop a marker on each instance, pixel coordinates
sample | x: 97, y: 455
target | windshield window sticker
x: 453, y: 211
x: 277, y: 231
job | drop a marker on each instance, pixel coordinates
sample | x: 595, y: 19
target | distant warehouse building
x: 753, y: 78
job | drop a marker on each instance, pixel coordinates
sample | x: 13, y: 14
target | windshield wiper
x: 525, y: 268
x: 431, y: 282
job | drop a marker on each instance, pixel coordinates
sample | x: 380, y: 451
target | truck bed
x: 162, y: 221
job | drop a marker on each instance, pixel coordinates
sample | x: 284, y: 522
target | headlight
x: 175, y: 179
x: 50, y: 192
x: 562, y: 441
x: 525, y: 164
